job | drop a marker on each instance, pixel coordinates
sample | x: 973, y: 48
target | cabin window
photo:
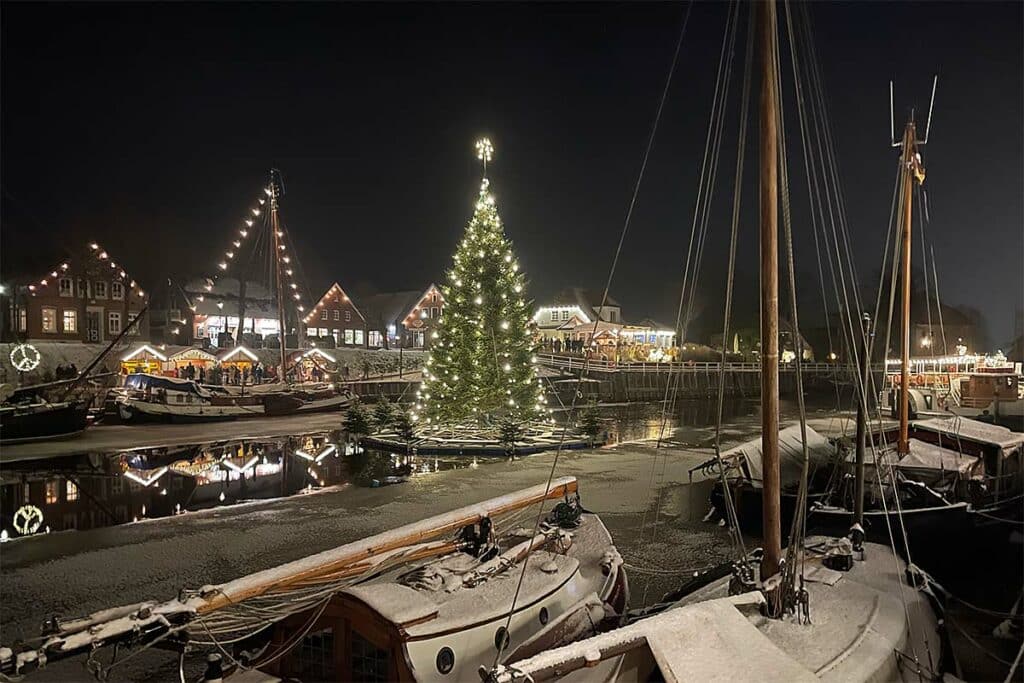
x: 314, y: 658
x: 369, y: 662
x: 116, y: 290
x: 70, y: 491
x: 114, y: 322
x: 445, y: 660
x: 52, y: 491
x: 50, y: 320
x: 99, y: 289
x: 64, y: 285
x: 70, y: 321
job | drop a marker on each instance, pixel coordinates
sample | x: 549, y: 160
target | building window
x: 359, y: 337
x: 50, y: 320
x: 116, y: 290
x: 375, y: 338
x: 131, y: 319
x: 350, y: 337
x: 565, y: 314
x: 433, y: 298
x: 323, y: 314
x: 348, y: 316
x: 64, y: 287
x: 117, y: 486
x: 337, y: 314
x: 22, y: 319
x: 554, y: 316
x: 70, y: 491
x: 83, y: 287
x: 70, y: 321
x: 433, y: 311
x: 52, y: 491
x: 99, y: 289
x: 114, y: 322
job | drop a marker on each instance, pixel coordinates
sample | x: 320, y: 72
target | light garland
x: 101, y: 255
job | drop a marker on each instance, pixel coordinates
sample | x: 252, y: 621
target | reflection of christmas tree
x: 482, y: 360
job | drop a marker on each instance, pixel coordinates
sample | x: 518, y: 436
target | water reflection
x: 94, y: 490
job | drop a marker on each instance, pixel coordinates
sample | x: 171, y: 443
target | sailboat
x: 147, y: 397
x: 826, y: 609
x: 422, y: 602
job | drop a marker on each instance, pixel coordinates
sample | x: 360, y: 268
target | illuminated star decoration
x: 484, y: 151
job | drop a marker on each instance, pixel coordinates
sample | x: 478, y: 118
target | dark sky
x: 150, y: 127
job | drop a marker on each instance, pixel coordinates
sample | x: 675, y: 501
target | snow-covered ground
x: 75, y: 573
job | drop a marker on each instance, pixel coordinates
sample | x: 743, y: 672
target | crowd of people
x: 227, y: 374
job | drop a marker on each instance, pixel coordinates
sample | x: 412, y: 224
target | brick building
x: 87, y: 298
x: 336, y: 317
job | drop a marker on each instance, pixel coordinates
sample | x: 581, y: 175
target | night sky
x: 151, y: 127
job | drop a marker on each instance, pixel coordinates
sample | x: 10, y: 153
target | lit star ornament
x: 484, y: 151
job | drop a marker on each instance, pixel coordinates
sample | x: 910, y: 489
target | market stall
x: 143, y: 358
x: 177, y: 363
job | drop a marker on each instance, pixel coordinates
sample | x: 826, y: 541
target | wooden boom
x: 333, y: 563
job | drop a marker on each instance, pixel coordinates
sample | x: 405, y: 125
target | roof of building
x: 95, y: 254
x: 390, y: 307
x: 337, y: 290
x: 587, y: 299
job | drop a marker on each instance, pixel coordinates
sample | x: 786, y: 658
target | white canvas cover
x: 973, y: 430
x: 791, y: 457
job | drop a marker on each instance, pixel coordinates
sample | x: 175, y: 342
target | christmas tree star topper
x: 484, y: 151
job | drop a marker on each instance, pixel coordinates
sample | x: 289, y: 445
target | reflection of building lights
x: 926, y: 342
x: 147, y: 481
x: 221, y: 497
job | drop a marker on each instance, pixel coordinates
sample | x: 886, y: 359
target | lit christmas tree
x: 482, y: 362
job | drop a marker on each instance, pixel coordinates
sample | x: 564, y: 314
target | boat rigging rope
x: 701, y: 217
x: 597, y: 320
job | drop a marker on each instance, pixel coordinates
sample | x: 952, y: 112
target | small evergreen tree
x: 510, y: 430
x: 383, y: 414
x: 403, y: 424
x: 590, y: 422
x: 482, y: 360
x: 357, y: 420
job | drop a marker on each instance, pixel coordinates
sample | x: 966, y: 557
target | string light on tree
x: 480, y: 365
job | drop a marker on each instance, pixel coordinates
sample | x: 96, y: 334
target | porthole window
x: 445, y: 660
x: 501, y: 639
x: 544, y: 616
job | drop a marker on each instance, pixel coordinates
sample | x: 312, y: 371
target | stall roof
x: 231, y: 353
x: 144, y: 348
x: 193, y: 353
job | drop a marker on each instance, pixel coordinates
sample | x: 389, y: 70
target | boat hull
x: 42, y: 421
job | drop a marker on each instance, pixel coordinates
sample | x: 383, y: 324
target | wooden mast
x: 771, y: 516
x: 275, y: 228
x: 911, y: 167
x: 862, y: 421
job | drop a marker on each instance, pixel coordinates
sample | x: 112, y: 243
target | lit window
x: 116, y: 290
x: 554, y: 315
x: 70, y: 321
x: 114, y: 322
x: 323, y: 314
x: 359, y: 337
x: 22, y: 319
x: 337, y: 315
x: 70, y: 491
x: 350, y: 337
x: 50, y: 320
x: 565, y: 314
x: 99, y: 289
x: 52, y: 491
x: 374, y: 338
x: 65, y: 287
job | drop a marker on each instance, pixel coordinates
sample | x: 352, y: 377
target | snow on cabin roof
x: 819, y: 450
x: 974, y: 430
x: 397, y: 603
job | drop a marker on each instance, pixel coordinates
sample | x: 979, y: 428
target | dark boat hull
x: 48, y: 421
x: 749, y: 502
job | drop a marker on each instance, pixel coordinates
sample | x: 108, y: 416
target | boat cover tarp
x: 973, y: 430
x: 748, y: 455
x: 141, y: 381
x: 931, y: 464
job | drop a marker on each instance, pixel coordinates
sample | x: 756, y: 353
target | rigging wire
x: 604, y: 299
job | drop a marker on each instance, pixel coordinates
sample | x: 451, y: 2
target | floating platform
x: 472, y: 440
